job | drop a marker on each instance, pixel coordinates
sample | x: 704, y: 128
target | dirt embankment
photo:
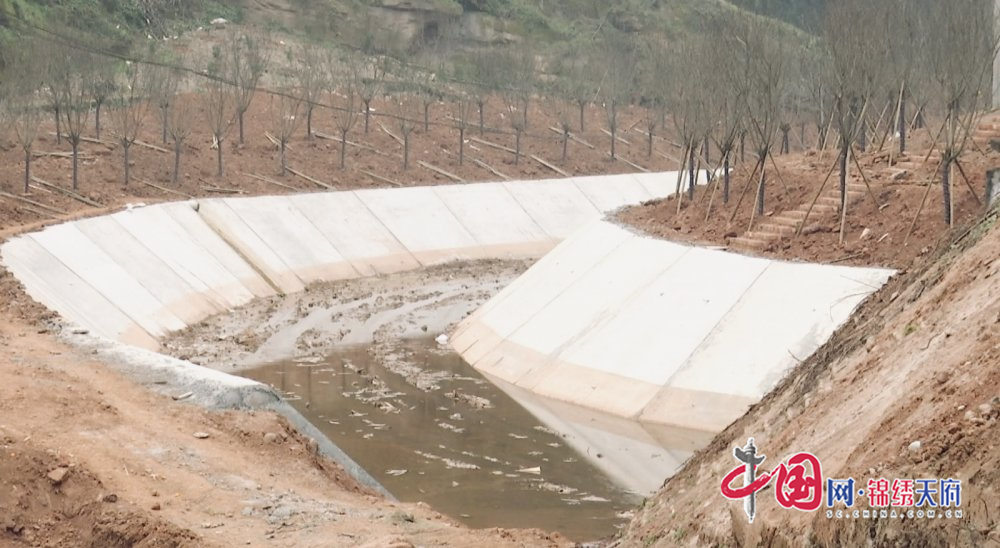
x: 875, y: 235
x: 91, y: 458
x: 909, y: 388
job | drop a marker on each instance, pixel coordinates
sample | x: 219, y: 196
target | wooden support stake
x: 271, y: 181
x: 630, y: 164
x: 151, y: 146
x: 32, y: 202
x: 492, y: 145
x: 440, y: 171
x: 617, y: 138
x: 165, y: 189
x: 219, y: 190
x: 487, y: 167
x: 78, y: 197
x: 573, y: 137
x: 550, y: 166
x: 395, y: 137
x: 380, y: 178
x: 311, y: 180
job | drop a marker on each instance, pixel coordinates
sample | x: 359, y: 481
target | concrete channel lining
x: 650, y: 329
x: 164, y: 267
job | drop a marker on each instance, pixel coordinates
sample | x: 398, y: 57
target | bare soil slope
x: 920, y: 362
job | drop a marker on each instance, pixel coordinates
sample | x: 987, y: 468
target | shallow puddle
x: 458, y: 443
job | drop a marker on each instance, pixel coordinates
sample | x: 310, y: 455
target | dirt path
x: 92, y: 458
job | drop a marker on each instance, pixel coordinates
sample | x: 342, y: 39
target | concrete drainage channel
x: 631, y: 351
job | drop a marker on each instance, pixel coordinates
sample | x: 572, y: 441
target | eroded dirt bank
x: 91, y: 458
x: 909, y: 388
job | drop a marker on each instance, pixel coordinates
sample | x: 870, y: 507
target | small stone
x: 58, y: 475
x: 914, y: 447
x: 866, y: 233
x: 155, y: 506
x: 110, y: 497
x: 270, y: 437
x: 970, y: 416
x: 201, y: 435
x: 183, y: 396
x: 986, y: 410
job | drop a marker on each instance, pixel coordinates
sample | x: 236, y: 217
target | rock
x: 914, y: 447
x: 110, y: 497
x: 986, y: 410
x: 58, y: 475
x: 155, y: 506
x: 312, y: 446
x: 80, y: 331
x: 183, y: 396
x: 271, y: 437
x: 866, y: 233
x: 441, y: 339
x: 201, y: 435
x: 219, y: 22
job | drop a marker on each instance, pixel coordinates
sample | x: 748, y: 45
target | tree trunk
x: 482, y: 123
x: 27, y: 169
x: 164, y: 115
x: 75, y: 143
x: 427, y: 120
x: 692, y: 174
x: 583, y: 109
x: 406, y: 151
x: 125, y: 147
x: 177, y: 162
x: 725, y: 178
x: 461, y: 146
x: 240, y: 116
x: 284, y: 165
x: 309, y: 123
x: 784, y: 141
x: 565, y: 145
x: 743, y: 148
x: 902, y: 126
x: 97, y: 120
x: 58, y: 126
x: 343, y: 149
x: 946, y: 188
x: 760, y: 193
x: 649, y: 143
x: 844, y: 151
x: 219, y: 156
x: 368, y: 114
x: 517, y: 147
x: 706, y: 151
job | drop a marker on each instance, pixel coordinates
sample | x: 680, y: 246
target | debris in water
x: 517, y: 436
x: 441, y: 339
x: 356, y: 414
x: 594, y: 498
x: 533, y: 470
x: 183, y: 396
x: 451, y: 427
x: 396, y: 472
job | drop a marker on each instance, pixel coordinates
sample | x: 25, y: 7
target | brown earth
x: 90, y: 458
x: 919, y: 362
x: 874, y: 234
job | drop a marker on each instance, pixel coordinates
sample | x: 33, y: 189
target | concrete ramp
x: 670, y: 334
x: 139, y: 274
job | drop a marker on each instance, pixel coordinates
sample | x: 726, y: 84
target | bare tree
x: 463, y: 105
x: 130, y: 98
x: 284, y: 119
x: 179, y: 123
x: 221, y: 104
x: 371, y: 85
x: 163, y: 87
x: 72, y: 86
x: 102, y: 87
x: 248, y: 60
x: 960, y: 51
x: 24, y: 105
x: 343, y: 88
x: 515, y: 69
x: 311, y: 76
x: 620, y: 63
x: 404, y: 104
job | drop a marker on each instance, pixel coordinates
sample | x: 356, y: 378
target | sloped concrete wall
x: 137, y: 275
x: 649, y: 329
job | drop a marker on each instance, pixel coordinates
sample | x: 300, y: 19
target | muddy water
x: 452, y: 439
